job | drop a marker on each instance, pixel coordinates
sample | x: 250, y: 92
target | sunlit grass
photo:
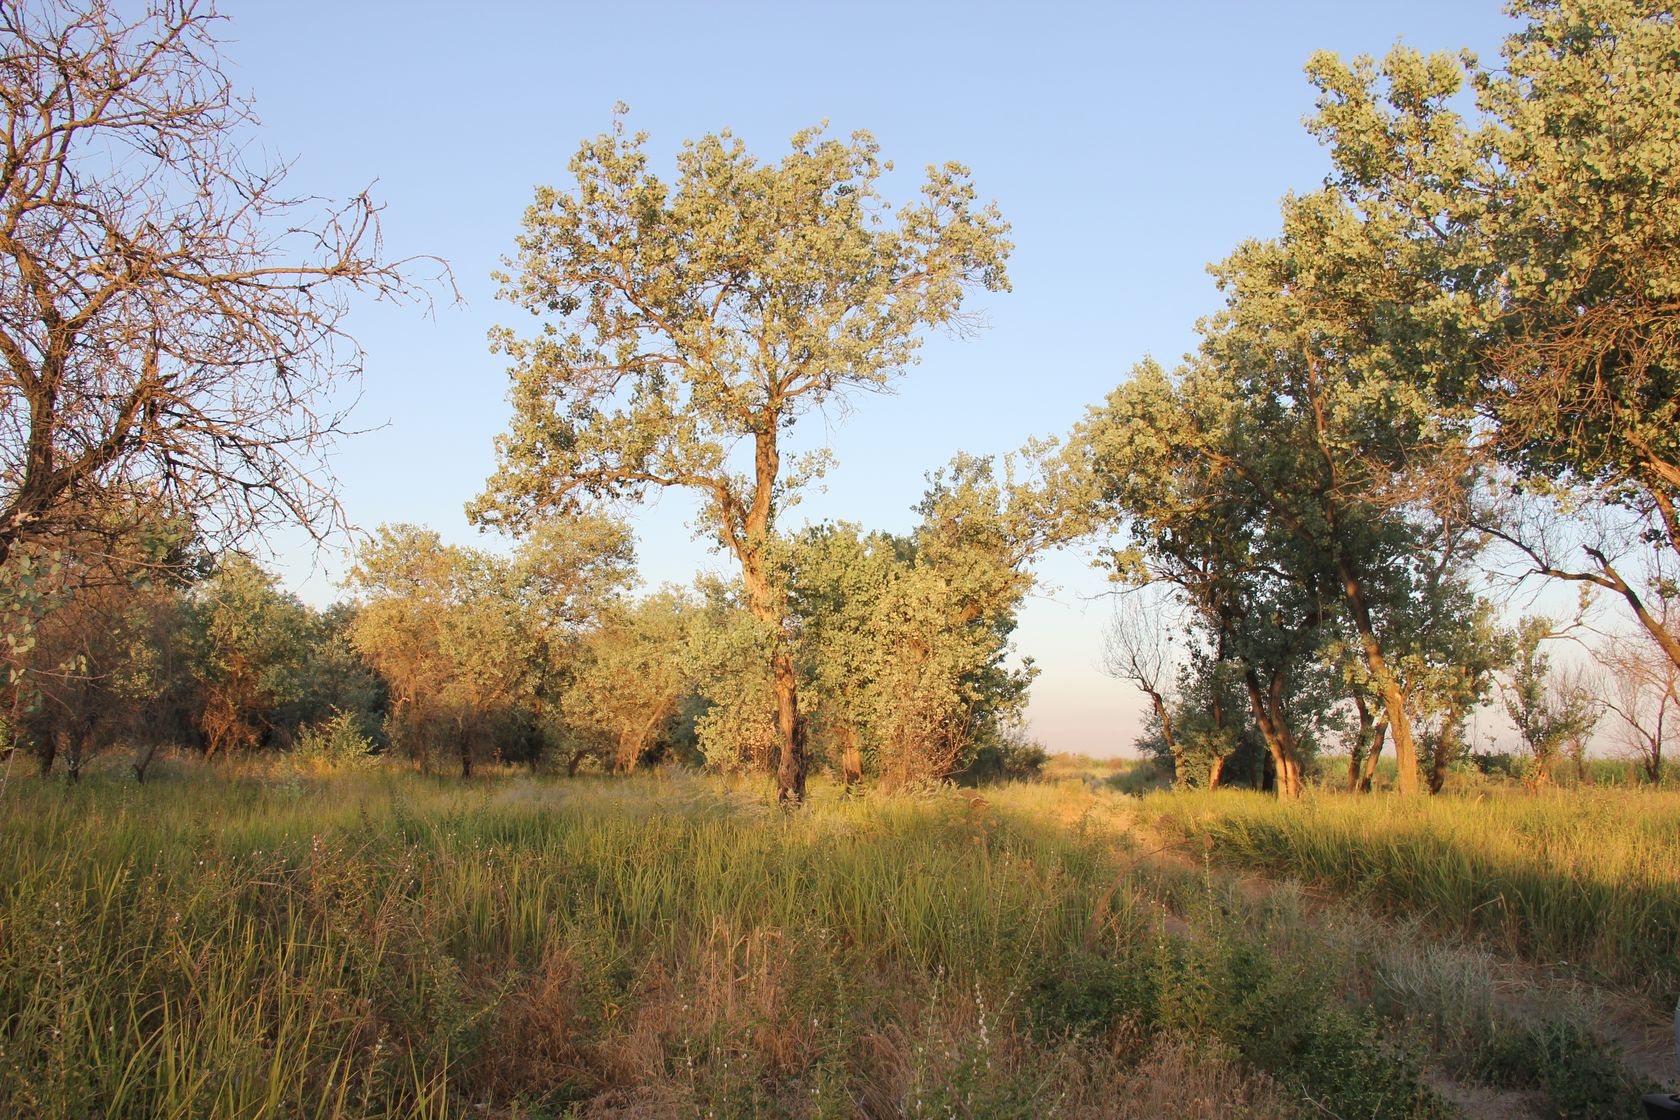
x: 1588, y: 878
x: 382, y: 944
x: 353, y: 945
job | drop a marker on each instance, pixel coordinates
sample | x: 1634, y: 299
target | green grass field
x: 219, y: 944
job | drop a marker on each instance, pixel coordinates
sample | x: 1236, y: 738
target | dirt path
x: 1521, y: 990
x: 1646, y: 1040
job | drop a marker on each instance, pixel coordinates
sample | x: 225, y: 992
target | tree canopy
x: 688, y: 326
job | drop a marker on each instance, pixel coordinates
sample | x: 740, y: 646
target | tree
x: 1345, y: 373
x: 694, y: 324
x: 466, y: 638
x: 627, y: 678
x: 1141, y: 473
x: 1136, y: 650
x: 442, y: 626
x: 903, y: 641
x: 171, y: 320
x: 1644, y: 694
x: 250, y: 645
x: 105, y: 659
x: 1550, y: 710
x: 1191, y: 465
x: 840, y: 575
x: 1551, y: 225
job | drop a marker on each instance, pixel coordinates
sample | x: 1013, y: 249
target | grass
x: 376, y: 944
x: 1585, y: 879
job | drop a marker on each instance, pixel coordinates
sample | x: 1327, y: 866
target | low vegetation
x: 1583, y: 880
x: 379, y: 943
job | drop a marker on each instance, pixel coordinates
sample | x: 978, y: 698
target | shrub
x: 338, y: 742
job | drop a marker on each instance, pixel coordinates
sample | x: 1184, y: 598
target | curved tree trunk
x: 1274, y: 729
x: 1378, y: 735
x: 1173, y: 747
x: 1394, y: 700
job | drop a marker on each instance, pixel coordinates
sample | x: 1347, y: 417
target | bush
x: 1014, y: 758
x: 1582, y: 1073
x: 1086, y: 994
x: 338, y: 742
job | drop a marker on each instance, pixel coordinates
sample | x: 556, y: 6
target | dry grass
x: 372, y: 944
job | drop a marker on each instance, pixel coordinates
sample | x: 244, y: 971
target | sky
x: 1127, y: 144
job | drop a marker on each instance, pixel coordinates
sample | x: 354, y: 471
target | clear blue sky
x: 1128, y: 144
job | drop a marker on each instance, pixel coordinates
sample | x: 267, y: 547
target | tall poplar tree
x: 686, y: 327
x: 1550, y: 228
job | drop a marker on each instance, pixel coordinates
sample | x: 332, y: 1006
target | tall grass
x: 1589, y: 879
x: 374, y: 944
x: 388, y: 945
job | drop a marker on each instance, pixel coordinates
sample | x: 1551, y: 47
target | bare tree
x: 1644, y: 695
x: 1135, y: 650
x: 1614, y: 547
x: 171, y: 320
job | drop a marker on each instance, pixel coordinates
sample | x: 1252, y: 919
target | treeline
x: 1459, y: 360
x: 449, y: 656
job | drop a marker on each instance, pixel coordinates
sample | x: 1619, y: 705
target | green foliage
x: 1549, y: 711
x: 1583, y: 1075
x: 341, y: 741
x: 1543, y: 229
x: 1230, y: 988
x: 1013, y: 757
x: 469, y: 642
x: 744, y: 297
x: 798, y: 262
x: 250, y: 641
x: 1088, y: 993
x: 1300, y: 481
x: 904, y: 641
x: 626, y: 680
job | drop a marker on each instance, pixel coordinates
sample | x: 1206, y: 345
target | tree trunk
x: 766, y: 607
x: 1362, y: 742
x: 143, y: 761
x: 851, y: 757
x: 1173, y: 750
x: 1445, y: 748
x: 1274, y: 729
x: 74, y: 744
x: 790, y: 774
x: 1216, y: 708
x: 1378, y: 735
x: 1394, y: 700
